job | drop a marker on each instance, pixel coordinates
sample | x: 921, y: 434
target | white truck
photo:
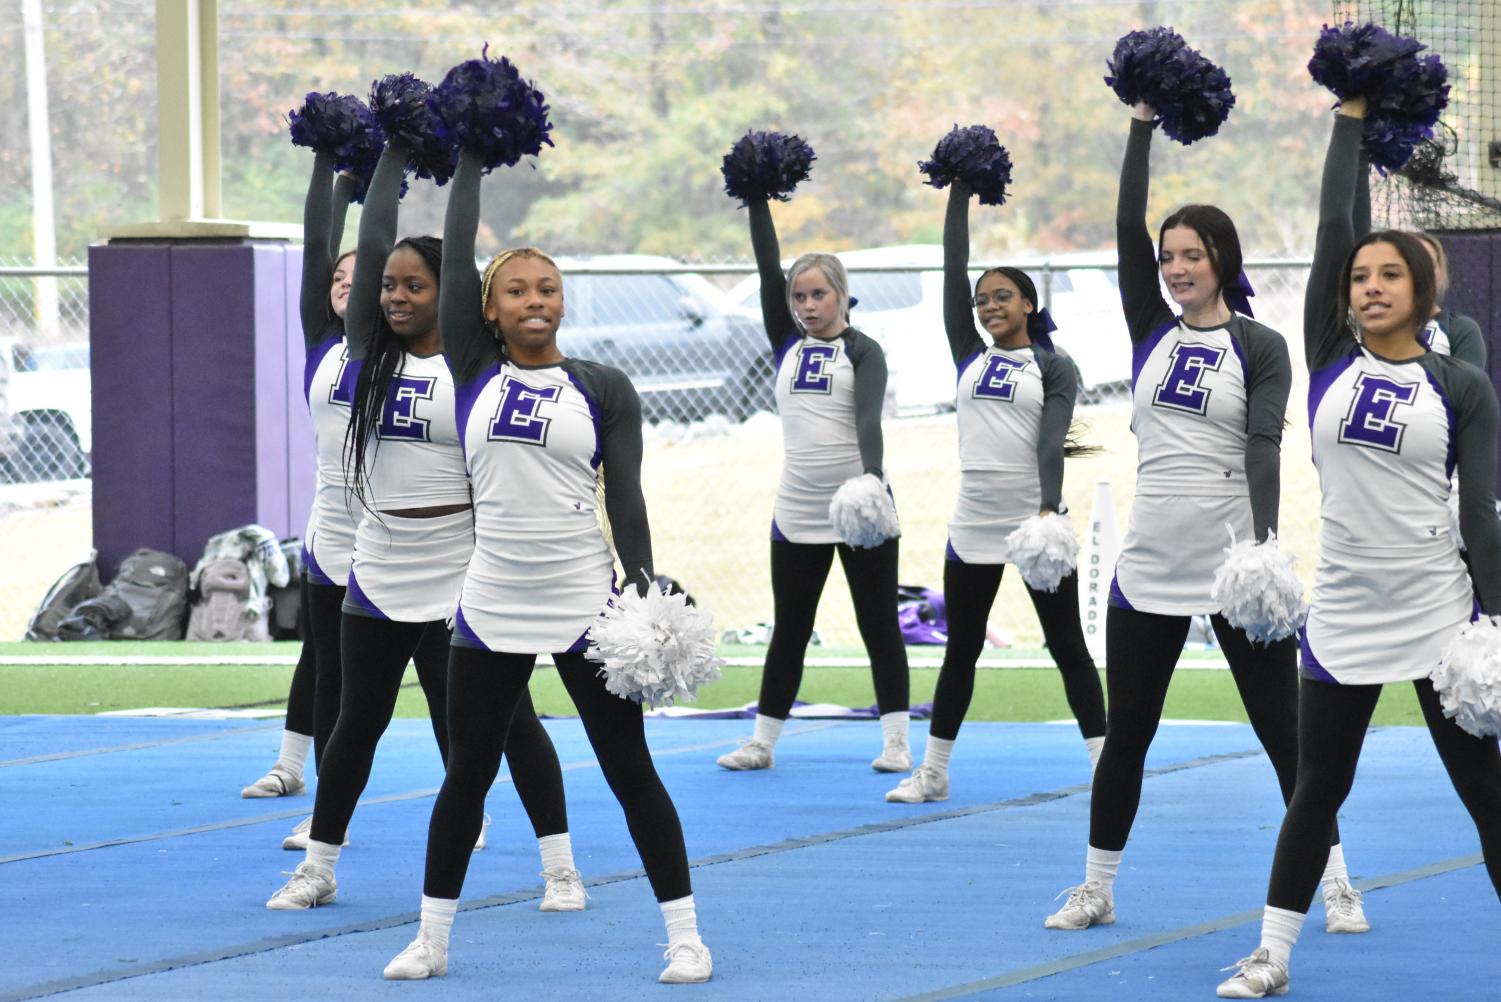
x: 46, y: 411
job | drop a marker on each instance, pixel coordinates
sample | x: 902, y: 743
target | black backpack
x: 79, y: 582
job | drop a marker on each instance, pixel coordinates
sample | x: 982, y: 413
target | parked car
x: 49, y: 404
x: 899, y: 293
x: 689, y: 352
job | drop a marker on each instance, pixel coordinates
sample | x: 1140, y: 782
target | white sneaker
x: 484, y: 832
x: 563, y: 891
x: 895, y: 756
x: 687, y: 964
x: 311, y: 885
x: 297, y: 841
x: 422, y: 959
x: 1258, y: 976
x: 279, y: 782
x: 1342, y: 908
x: 1087, y: 905
x: 751, y: 754
x: 924, y: 785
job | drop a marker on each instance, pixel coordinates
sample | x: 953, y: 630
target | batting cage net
x: 1453, y: 181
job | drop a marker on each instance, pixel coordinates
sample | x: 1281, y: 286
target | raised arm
x: 1266, y: 411
x: 317, y: 263
x: 869, y: 362
x: 466, y: 345
x: 958, y: 319
x: 377, y: 237
x: 1141, y: 297
x: 343, y: 195
x: 775, y: 315
x: 1326, y: 336
x: 1060, y: 388
x: 1476, y: 423
x: 1360, y: 214
x: 620, y: 455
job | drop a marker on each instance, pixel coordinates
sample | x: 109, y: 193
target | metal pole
x: 38, y: 127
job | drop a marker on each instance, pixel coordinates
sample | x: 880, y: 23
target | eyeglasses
x: 1000, y: 299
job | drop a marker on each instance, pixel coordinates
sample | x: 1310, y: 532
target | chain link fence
x: 690, y: 337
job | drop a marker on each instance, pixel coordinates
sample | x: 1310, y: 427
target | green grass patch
x: 1008, y: 694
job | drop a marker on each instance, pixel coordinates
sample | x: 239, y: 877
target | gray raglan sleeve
x: 343, y: 195
x: 775, y: 315
x: 1325, y: 334
x: 620, y: 456
x: 869, y: 362
x: 958, y: 321
x: 1266, y: 411
x: 1476, y: 420
x: 377, y: 237
x: 1466, y: 342
x: 317, y: 263
x: 1141, y: 296
x: 467, y: 347
x: 1060, y: 387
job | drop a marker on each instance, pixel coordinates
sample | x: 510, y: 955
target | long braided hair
x: 383, y: 357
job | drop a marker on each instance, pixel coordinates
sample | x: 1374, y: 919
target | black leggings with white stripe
x: 375, y: 655
x: 487, y: 698
x: 1332, y: 721
x: 1141, y: 651
x: 969, y: 590
x: 798, y: 574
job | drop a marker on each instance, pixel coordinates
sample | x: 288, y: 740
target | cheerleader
x: 1448, y: 332
x: 540, y: 432
x: 1390, y: 420
x: 410, y: 549
x: 1209, y: 390
x: 313, y: 699
x: 830, y: 385
x: 1015, y: 401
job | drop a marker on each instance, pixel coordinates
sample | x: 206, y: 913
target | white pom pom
x: 654, y: 648
x: 1044, y: 550
x: 1468, y: 678
x: 863, y: 513
x: 1258, y: 591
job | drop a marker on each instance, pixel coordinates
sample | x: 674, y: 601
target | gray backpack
x: 79, y: 582
x: 155, y: 587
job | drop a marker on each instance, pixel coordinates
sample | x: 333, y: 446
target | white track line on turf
x: 278, y: 660
x: 390, y: 798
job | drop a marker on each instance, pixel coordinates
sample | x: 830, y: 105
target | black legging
x: 1332, y: 722
x: 1141, y: 651
x: 969, y: 590
x: 302, y: 693
x: 487, y: 697
x: 375, y: 655
x: 798, y: 573
x: 313, y: 702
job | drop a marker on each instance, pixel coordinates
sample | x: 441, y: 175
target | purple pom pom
x: 329, y: 123
x: 766, y: 165
x: 1405, y: 93
x: 972, y: 155
x: 1190, y: 94
x: 399, y: 102
x: 485, y: 106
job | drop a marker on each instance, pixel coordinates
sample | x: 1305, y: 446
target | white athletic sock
x: 1279, y: 931
x: 1094, y: 746
x: 322, y: 853
x: 894, y: 727
x: 937, y: 753
x: 1335, y: 869
x: 1101, y: 865
x: 557, y: 851
x: 437, y: 919
x: 768, y: 729
x: 682, y: 921
x: 294, y: 749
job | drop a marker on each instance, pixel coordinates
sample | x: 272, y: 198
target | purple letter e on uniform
x: 812, y: 362
x: 1369, y: 420
x: 516, y: 419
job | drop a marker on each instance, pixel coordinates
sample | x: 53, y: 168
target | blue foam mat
x: 807, y: 882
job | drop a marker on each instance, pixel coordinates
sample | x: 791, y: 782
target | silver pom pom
x: 1258, y: 591
x: 863, y: 513
x: 1468, y: 678
x: 654, y: 648
x: 1044, y: 550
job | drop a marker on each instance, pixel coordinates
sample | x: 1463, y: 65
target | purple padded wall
x: 197, y: 381
x: 1475, y: 288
